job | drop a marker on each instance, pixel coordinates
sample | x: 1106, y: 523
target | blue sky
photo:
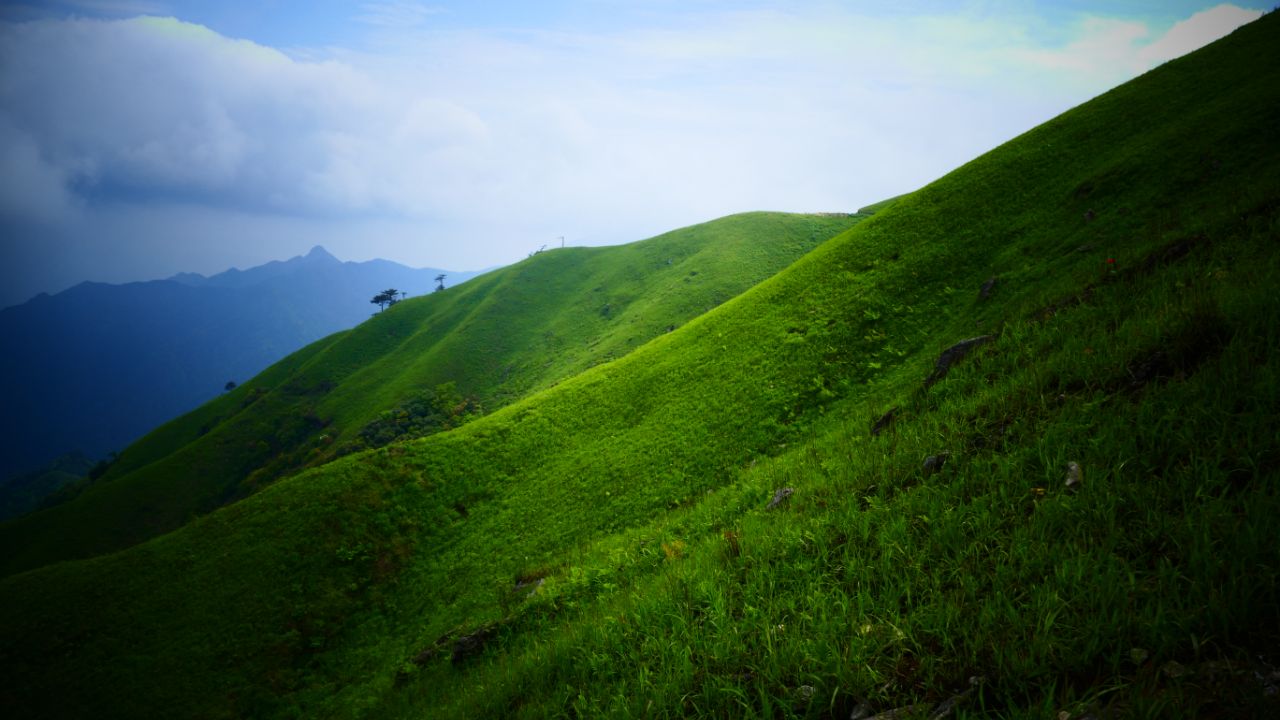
x: 140, y: 138
x: 319, y: 23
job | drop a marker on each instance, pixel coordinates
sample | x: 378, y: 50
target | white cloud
x: 396, y: 13
x: 1104, y: 46
x: 1195, y: 32
x: 1116, y: 50
x: 468, y: 148
x: 703, y: 118
x: 154, y: 105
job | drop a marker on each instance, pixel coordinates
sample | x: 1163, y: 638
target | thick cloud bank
x: 156, y: 108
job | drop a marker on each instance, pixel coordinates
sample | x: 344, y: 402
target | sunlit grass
x: 501, y: 337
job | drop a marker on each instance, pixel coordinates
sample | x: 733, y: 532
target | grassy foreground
x: 604, y: 547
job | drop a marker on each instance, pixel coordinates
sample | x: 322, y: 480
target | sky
x: 142, y: 138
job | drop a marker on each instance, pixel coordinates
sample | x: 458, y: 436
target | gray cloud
x: 142, y: 147
x: 149, y: 107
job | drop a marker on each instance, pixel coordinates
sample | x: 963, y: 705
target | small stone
x: 779, y: 497
x: 902, y: 713
x: 1270, y: 682
x: 952, y: 355
x: 884, y: 421
x: 471, y: 645
x: 430, y: 653
x: 1075, y: 476
x: 529, y: 586
x: 987, y: 287
x: 861, y: 711
x: 945, y: 707
x: 934, y: 463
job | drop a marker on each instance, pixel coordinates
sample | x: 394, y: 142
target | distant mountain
x: 94, y: 367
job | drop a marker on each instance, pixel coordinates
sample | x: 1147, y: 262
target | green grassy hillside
x: 497, y: 338
x: 22, y: 494
x: 876, y: 207
x: 604, y: 547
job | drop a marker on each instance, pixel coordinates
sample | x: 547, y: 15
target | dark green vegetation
x: 23, y: 493
x: 603, y: 547
x: 425, y: 413
x: 497, y: 338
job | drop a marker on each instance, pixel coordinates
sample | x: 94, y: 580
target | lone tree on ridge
x: 386, y: 298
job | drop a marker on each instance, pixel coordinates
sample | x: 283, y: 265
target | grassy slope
x: 21, y: 494
x: 499, y: 337
x: 876, y: 207
x: 1155, y: 372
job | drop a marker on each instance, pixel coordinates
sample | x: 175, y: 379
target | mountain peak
x: 319, y: 253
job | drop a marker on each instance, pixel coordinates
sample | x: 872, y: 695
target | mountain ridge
x: 161, y: 347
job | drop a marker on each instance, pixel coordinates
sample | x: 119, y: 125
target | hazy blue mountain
x: 94, y: 367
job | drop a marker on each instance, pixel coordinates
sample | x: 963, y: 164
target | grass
x: 876, y: 207
x: 498, y: 338
x: 1134, y: 333
x: 880, y: 582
